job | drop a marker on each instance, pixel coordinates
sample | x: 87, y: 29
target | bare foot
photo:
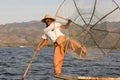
x: 83, y: 51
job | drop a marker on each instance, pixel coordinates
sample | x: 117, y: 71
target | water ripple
x: 13, y: 62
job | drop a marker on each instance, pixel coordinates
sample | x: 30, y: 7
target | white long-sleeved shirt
x: 52, y: 31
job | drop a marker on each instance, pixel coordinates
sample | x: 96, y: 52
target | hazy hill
x: 29, y: 33
x: 25, y: 33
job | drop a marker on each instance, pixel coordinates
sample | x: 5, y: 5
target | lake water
x: 13, y: 62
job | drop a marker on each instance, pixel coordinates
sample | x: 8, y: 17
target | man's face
x: 48, y: 21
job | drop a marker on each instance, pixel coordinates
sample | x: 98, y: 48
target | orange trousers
x: 62, y: 44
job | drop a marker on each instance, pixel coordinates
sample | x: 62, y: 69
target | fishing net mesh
x: 95, y: 25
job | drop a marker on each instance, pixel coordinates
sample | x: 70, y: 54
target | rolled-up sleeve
x: 44, y: 36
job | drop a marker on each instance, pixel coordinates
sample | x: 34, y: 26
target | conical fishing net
x: 95, y: 25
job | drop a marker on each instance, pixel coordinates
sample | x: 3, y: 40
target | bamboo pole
x: 28, y: 66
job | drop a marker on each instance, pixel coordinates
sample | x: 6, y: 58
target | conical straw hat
x: 47, y: 16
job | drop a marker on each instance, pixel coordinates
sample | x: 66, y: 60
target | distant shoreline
x: 22, y: 45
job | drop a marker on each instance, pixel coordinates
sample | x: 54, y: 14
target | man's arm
x: 41, y: 44
x: 66, y: 25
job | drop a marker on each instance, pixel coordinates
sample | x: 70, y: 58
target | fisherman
x: 61, y: 42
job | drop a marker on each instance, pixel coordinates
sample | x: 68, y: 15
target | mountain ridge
x: 29, y: 33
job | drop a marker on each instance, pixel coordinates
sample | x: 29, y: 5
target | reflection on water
x: 13, y: 62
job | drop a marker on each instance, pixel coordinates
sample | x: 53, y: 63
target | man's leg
x: 76, y: 47
x: 58, y: 59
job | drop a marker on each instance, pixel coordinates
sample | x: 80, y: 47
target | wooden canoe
x: 68, y: 77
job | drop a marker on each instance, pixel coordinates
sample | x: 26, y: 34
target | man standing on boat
x: 61, y: 42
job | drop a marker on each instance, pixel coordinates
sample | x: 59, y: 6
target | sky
x: 26, y: 10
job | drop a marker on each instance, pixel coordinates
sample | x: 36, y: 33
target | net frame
x: 88, y: 29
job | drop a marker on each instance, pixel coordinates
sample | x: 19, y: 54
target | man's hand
x: 69, y: 21
x: 41, y: 44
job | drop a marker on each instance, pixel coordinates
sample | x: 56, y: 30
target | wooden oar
x: 27, y: 68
